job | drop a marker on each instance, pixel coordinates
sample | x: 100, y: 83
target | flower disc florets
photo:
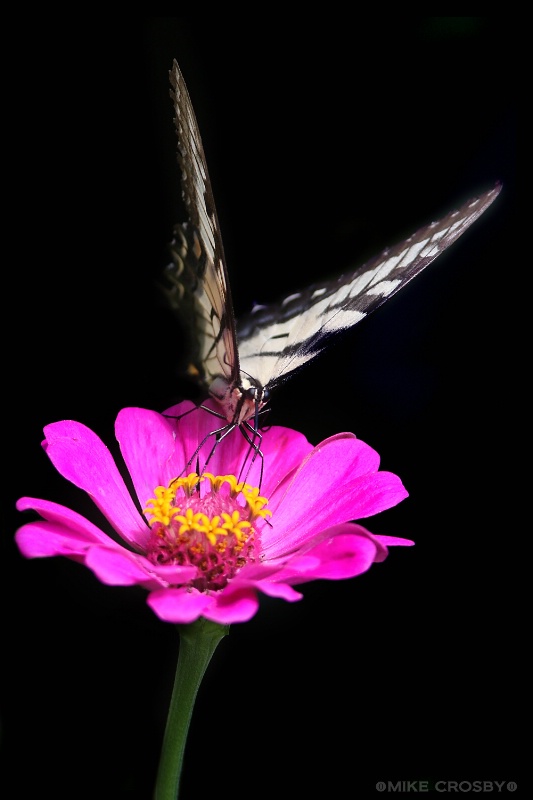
x: 212, y: 531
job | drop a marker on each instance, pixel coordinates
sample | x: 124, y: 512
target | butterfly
x: 240, y: 364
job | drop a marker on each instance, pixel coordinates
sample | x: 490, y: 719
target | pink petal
x: 282, y: 590
x: 147, y: 443
x: 233, y: 604
x: 40, y: 539
x: 65, y: 533
x: 120, y: 567
x: 335, y: 484
x: 179, y: 606
x: 79, y: 528
x: 341, y: 556
x: 343, y: 551
x: 328, y: 466
x: 173, y: 574
x: 81, y: 457
x: 283, y: 450
x: 123, y: 568
x: 275, y: 490
x: 384, y: 542
x: 373, y: 494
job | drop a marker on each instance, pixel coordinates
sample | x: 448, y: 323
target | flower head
x: 206, y: 545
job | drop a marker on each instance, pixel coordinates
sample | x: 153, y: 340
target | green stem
x: 198, y: 642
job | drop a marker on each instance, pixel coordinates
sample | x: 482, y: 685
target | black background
x: 327, y: 139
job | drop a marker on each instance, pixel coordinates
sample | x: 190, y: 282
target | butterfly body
x: 241, y: 363
x: 240, y: 402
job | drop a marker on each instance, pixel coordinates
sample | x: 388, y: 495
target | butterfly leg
x: 255, y: 446
x: 219, y: 434
x: 254, y: 440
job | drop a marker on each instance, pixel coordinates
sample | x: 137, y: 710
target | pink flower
x: 205, y: 547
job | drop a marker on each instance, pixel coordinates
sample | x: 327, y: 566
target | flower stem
x: 198, y: 642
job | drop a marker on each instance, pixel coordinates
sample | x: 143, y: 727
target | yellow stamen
x: 255, y: 502
x: 215, y: 530
x: 235, y: 525
x: 188, y: 484
x: 193, y: 522
x: 161, y: 507
x: 216, y: 481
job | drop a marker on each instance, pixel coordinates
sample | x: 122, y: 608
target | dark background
x: 327, y: 139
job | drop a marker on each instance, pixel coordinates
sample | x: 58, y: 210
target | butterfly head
x: 240, y: 402
x: 256, y: 397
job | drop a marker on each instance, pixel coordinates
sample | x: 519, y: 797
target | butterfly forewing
x: 197, y: 284
x: 275, y: 340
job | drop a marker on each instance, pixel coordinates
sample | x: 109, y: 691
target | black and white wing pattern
x: 240, y: 364
x: 196, y: 280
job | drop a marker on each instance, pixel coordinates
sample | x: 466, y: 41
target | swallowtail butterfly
x: 241, y: 363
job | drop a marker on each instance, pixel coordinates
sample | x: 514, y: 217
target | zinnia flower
x: 206, y: 545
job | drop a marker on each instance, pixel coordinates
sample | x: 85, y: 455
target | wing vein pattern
x: 270, y: 342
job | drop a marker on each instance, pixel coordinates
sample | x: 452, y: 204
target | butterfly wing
x: 196, y: 280
x: 273, y: 341
x: 276, y: 339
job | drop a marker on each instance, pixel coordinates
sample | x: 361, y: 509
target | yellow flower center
x: 212, y: 530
